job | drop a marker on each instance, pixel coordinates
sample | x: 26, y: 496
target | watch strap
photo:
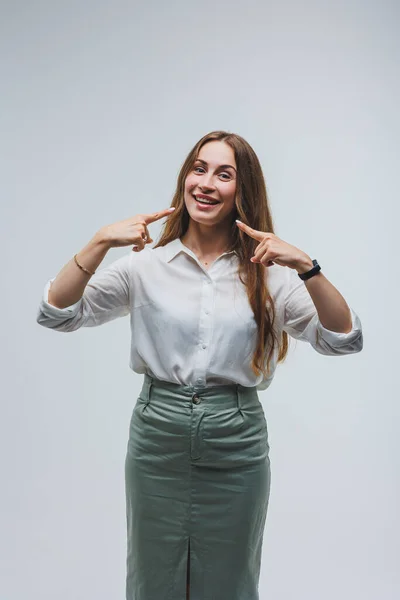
x: 316, y: 269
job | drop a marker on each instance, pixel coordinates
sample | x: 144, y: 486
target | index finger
x: 158, y: 215
x: 257, y: 235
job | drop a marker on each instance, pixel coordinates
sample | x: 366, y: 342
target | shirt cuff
x: 337, y: 339
x: 53, y: 311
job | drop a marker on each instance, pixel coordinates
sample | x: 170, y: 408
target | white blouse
x: 194, y: 326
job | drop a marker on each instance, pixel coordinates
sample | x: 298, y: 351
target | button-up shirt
x: 191, y: 325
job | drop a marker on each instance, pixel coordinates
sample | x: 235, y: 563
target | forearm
x: 333, y: 311
x: 70, y: 283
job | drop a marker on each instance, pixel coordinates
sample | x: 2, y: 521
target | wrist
x: 304, y: 264
x: 100, y: 239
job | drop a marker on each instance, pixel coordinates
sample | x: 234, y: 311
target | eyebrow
x: 220, y: 167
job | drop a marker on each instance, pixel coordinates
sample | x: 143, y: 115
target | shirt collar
x: 175, y: 247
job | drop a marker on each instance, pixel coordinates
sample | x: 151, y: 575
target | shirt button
x: 204, y: 346
x: 207, y: 312
x: 200, y: 380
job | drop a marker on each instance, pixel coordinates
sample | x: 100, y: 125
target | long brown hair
x: 252, y: 208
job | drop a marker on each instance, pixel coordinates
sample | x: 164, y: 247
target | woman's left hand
x: 272, y: 249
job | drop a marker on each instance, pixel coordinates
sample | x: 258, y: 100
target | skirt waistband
x: 234, y: 393
x: 189, y: 389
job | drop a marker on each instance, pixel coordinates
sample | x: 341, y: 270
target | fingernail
x: 172, y: 208
x: 237, y: 221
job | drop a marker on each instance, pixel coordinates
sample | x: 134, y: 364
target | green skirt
x: 197, y: 477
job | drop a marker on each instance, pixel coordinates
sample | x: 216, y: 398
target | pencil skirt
x: 197, y: 480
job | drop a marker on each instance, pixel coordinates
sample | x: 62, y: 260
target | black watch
x: 316, y: 269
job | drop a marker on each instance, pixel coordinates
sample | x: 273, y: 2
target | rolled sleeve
x: 106, y: 297
x: 350, y: 340
x: 53, y: 311
x: 302, y: 322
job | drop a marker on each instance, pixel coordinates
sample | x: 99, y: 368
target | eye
x: 224, y: 173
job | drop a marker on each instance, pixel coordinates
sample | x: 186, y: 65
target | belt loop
x: 239, y: 405
x: 148, y: 385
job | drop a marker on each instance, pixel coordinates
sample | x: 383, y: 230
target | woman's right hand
x: 132, y: 231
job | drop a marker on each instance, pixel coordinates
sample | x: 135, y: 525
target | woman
x: 211, y: 306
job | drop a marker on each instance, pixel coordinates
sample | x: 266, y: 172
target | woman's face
x: 213, y: 175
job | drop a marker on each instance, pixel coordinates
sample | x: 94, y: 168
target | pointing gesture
x: 272, y: 249
x: 133, y: 230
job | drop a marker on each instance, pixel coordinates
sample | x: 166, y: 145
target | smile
x: 206, y: 202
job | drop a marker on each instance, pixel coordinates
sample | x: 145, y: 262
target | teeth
x: 203, y: 200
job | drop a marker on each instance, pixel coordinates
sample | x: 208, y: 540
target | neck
x: 207, y: 241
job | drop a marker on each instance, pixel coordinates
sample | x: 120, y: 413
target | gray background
x: 100, y: 103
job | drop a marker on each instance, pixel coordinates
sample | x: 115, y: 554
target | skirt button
x: 195, y: 399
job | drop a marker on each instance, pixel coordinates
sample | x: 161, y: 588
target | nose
x: 206, y: 186
x: 207, y: 182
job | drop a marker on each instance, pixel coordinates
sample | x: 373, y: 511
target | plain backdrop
x: 100, y: 104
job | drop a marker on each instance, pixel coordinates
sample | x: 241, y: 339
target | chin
x: 202, y: 220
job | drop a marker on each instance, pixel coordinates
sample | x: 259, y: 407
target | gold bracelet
x: 83, y: 268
